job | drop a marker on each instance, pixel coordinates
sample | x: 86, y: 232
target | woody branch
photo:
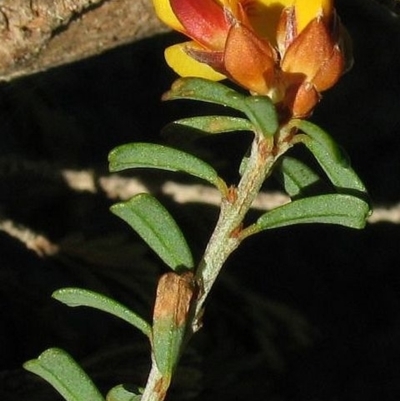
x: 37, y: 35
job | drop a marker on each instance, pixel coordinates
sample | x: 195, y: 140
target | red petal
x: 204, y: 21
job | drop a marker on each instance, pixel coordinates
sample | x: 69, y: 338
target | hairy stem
x: 225, y: 239
x: 156, y: 386
x: 226, y: 236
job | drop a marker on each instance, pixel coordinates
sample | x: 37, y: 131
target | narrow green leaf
x: 259, y: 109
x: 261, y: 112
x: 74, y: 297
x: 345, y: 210
x: 124, y: 393
x: 157, y: 228
x: 206, y: 91
x: 331, y: 159
x: 323, y: 139
x: 213, y: 124
x: 297, y: 177
x: 148, y: 155
x: 60, y: 370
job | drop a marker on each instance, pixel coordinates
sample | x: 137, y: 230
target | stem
x: 225, y: 239
x: 226, y: 236
x: 156, y: 386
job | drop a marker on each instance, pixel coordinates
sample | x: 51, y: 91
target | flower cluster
x: 289, y: 50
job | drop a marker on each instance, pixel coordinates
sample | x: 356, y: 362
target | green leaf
x: 60, y: 370
x: 259, y: 109
x: 157, y: 228
x: 323, y: 139
x: 297, y: 177
x: 212, y: 124
x: 206, y: 91
x: 121, y: 393
x: 74, y: 297
x: 331, y: 159
x: 261, y: 112
x: 147, y: 155
x: 345, y: 210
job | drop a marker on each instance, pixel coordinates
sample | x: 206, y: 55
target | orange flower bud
x: 249, y: 60
x: 301, y: 99
x: 315, y: 55
x: 305, y: 56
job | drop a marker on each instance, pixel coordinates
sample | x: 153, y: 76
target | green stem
x: 225, y: 239
x: 226, y: 236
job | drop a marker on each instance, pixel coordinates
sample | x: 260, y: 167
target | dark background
x: 302, y: 313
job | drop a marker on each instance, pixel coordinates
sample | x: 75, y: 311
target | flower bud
x: 233, y: 39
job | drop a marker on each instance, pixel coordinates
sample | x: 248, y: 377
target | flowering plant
x: 290, y: 51
x: 285, y: 53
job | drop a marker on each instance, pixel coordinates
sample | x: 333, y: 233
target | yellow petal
x: 274, y: 3
x: 204, y: 21
x: 307, y: 10
x: 164, y: 12
x: 264, y: 15
x: 186, y: 66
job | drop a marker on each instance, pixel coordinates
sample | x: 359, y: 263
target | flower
x: 289, y: 50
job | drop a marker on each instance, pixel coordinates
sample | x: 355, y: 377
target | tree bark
x: 36, y: 35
